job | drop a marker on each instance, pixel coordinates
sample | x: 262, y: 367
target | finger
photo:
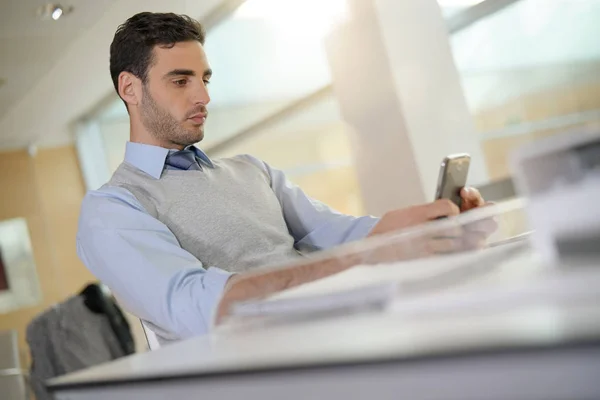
x: 486, y: 225
x: 441, y: 208
x: 471, y: 198
x: 450, y: 228
x: 471, y: 195
x: 443, y: 246
x: 474, y: 240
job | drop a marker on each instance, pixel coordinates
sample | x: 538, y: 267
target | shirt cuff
x: 214, y: 282
x: 371, y: 225
x: 364, y: 226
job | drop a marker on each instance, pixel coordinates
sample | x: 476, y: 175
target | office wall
x: 46, y: 190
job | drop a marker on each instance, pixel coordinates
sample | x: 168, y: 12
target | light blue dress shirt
x: 141, y: 260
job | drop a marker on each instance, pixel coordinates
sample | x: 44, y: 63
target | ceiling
x: 30, y: 47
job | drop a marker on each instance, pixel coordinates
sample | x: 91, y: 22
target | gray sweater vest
x: 227, y: 216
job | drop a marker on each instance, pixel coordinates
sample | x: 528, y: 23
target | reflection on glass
x: 529, y: 71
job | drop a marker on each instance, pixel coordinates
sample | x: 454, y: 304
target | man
x: 171, y: 227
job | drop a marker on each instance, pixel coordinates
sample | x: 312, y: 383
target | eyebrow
x: 187, y: 72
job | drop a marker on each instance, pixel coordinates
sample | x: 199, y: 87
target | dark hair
x: 132, y: 47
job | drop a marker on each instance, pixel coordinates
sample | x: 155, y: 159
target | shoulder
x: 128, y: 173
x: 131, y: 183
x: 107, y: 205
x: 248, y: 161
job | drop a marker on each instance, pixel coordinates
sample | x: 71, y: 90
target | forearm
x: 245, y: 287
x: 258, y: 285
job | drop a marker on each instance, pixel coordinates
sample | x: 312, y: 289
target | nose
x: 201, y: 95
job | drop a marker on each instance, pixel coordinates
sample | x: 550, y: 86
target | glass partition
x: 528, y: 71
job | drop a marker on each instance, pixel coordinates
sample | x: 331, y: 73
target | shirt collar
x: 151, y: 159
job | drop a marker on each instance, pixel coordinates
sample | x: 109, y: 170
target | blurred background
x: 515, y: 71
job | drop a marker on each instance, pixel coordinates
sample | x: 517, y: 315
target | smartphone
x: 453, y: 177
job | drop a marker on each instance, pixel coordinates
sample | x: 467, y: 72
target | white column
x: 400, y: 94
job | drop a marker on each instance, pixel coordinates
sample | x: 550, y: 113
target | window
x: 529, y: 71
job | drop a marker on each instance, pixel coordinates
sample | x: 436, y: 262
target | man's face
x: 173, y: 105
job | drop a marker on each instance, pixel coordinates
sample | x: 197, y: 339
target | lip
x: 198, y: 118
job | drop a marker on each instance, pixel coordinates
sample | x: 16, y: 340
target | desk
x: 548, y: 348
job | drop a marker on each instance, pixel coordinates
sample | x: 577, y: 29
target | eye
x: 180, y: 82
x: 206, y: 82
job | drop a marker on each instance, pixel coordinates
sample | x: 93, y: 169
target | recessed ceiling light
x: 53, y: 11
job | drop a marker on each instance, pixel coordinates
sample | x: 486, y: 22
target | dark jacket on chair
x: 71, y: 336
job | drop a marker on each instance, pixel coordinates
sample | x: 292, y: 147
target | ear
x: 130, y: 88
